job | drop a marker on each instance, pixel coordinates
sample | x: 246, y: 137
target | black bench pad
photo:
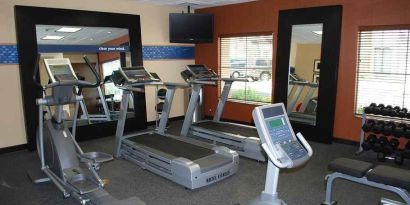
x: 350, y: 167
x: 390, y: 176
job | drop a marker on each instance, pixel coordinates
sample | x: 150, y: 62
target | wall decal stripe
x: 9, y: 55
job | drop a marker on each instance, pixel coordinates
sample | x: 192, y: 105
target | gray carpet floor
x: 303, y: 186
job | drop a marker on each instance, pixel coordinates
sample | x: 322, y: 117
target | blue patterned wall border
x: 8, y: 53
x: 168, y: 52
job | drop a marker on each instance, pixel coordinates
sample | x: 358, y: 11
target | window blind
x: 247, y: 57
x: 383, y: 68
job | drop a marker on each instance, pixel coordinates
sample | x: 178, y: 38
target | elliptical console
x: 283, y: 147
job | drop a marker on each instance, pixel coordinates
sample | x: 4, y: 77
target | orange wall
x: 262, y: 16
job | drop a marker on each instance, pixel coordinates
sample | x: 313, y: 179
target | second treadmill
x: 185, y: 161
x: 242, y: 138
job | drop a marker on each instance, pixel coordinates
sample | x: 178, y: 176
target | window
x: 248, y: 57
x: 383, y: 68
x: 110, y: 88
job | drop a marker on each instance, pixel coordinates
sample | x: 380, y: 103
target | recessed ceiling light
x: 52, y: 37
x: 109, y: 32
x: 91, y: 39
x: 318, y: 32
x: 68, y: 29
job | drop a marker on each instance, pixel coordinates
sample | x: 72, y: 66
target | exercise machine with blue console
x: 63, y: 162
x: 283, y: 147
x: 188, y: 162
x: 242, y: 138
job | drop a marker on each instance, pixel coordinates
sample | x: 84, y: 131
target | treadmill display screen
x: 62, y: 72
x: 136, y: 73
x: 200, y: 70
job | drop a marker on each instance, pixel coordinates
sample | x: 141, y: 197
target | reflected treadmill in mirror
x: 304, y: 73
x: 107, y: 49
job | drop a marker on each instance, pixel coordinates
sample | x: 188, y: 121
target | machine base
x: 268, y: 199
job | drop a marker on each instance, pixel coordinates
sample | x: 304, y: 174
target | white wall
x: 154, y: 29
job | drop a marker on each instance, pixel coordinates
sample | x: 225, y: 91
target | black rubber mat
x: 228, y: 128
x: 172, y: 146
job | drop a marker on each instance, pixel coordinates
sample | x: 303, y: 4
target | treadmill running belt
x: 172, y: 146
x: 228, y: 128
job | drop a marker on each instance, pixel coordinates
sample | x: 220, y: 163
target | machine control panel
x: 201, y: 72
x: 137, y: 74
x: 276, y: 133
x: 60, y: 70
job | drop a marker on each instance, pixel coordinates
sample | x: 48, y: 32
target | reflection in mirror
x: 104, y: 47
x: 304, y: 72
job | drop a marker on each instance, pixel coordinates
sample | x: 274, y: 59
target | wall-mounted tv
x: 191, y: 28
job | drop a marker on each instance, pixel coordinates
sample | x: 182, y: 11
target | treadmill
x: 188, y: 162
x: 241, y: 138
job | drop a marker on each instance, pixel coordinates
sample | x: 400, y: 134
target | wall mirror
x: 108, y: 39
x: 304, y: 72
x: 306, y: 68
x: 104, y: 47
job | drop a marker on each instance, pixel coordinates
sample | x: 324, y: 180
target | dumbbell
x: 379, y: 147
x: 388, y: 128
x: 391, y: 147
x: 161, y: 93
x: 369, y: 109
x: 403, y: 113
x: 399, y: 158
x: 386, y: 110
x: 400, y: 130
x: 378, y: 109
x: 368, y: 126
x: 369, y: 142
x: 395, y: 112
x: 378, y: 127
x: 406, y: 151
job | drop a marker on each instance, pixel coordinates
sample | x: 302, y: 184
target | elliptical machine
x: 62, y: 160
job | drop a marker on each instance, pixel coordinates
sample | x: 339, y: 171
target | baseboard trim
x: 346, y: 142
x: 13, y: 148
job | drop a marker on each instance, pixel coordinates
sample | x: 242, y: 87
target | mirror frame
x: 26, y: 19
x: 331, y: 18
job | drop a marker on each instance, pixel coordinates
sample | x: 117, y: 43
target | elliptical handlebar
x: 35, y: 72
x: 97, y: 78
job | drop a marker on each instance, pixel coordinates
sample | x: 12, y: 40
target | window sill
x: 247, y: 102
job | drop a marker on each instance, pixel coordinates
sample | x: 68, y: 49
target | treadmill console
x: 276, y: 133
x: 137, y: 74
x: 201, y: 72
x: 60, y: 70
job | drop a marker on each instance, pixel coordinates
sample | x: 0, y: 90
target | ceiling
x: 303, y: 34
x: 194, y: 3
x: 85, y: 36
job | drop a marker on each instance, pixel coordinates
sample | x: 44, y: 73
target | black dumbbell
x: 406, y: 151
x: 161, y: 93
x: 369, y: 109
x: 406, y: 132
x: 395, y: 111
x: 403, y: 112
x: 369, y: 142
x: 386, y: 110
x: 381, y: 142
x: 378, y: 127
x: 388, y: 128
x: 399, y: 158
x: 391, y: 147
x: 378, y: 109
x: 368, y: 126
x: 400, y: 130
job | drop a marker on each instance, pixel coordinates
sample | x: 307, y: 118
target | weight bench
x: 383, y: 177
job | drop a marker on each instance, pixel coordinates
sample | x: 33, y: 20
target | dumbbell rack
x: 158, y: 99
x: 366, y: 117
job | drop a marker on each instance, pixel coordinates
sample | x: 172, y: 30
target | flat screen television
x: 191, y: 28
